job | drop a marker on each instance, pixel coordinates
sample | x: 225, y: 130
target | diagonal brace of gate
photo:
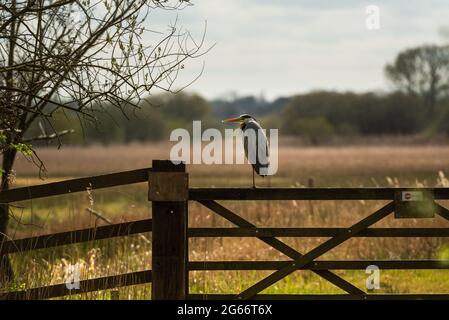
x: 280, y: 246
x: 442, y: 211
x: 317, y: 252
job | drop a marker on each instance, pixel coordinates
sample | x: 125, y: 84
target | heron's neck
x: 245, y: 123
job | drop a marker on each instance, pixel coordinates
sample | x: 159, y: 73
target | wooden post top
x: 168, y: 182
x: 168, y: 165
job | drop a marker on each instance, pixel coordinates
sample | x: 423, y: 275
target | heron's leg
x: 254, y: 180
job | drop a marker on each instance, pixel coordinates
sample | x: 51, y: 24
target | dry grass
x: 330, y: 166
x: 356, y: 165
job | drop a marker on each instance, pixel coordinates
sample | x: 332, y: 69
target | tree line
x: 316, y: 117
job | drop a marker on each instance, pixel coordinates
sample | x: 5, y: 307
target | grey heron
x: 255, y: 144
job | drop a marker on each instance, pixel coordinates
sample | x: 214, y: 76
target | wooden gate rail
x: 319, y: 265
x: 324, y: 297
x: 317, y: 232
x: 60, y: 290
x: 75, y: 185
x: 76, y: 236
x: 306, y: 193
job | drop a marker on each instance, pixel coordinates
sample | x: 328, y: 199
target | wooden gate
x: 170, y: 195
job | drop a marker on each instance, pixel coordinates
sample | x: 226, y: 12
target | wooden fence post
x: 168, y: 191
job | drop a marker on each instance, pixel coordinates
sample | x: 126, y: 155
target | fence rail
x: 324, y: 297
x: 60, y: 290
x: 318, y: 265
x: 170, y: 194
x: 306, y: 193
x: 317, y: 232
x: 75, y: 185
x: 77, y: 236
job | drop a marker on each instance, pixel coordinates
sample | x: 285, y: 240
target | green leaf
x: 23, y: 147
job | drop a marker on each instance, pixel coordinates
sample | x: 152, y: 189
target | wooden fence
x: 170, y: 194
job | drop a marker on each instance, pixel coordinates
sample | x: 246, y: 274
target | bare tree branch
x: 52, y: 136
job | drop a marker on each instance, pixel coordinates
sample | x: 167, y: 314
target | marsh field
x: 349, y: 166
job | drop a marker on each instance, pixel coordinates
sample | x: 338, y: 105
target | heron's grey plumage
x: 255, y: 147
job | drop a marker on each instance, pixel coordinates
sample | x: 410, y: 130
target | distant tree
x: 127, y: 125
x: 348, y: 114
x: 180, y: 109
x: 77, y: 56
x: 257, y: 107
x: 185, y: 106
x: 316, y: 130
x: 392, y: 114
x: 423, y: 71
x: 337, y: 112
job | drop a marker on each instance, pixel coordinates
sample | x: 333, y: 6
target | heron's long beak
x: 232, y: 120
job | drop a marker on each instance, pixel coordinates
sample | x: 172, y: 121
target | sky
x: 279, y: 48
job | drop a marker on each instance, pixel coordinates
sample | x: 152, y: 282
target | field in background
x: 328, y: 166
